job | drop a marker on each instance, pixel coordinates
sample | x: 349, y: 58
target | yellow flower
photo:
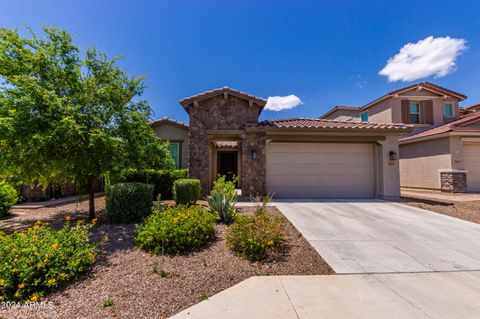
x: 14, y: 250
x: 2, y: 282
x: 17, y: 294
x: 62, y: 274
x: 54, y: 246
x: 34, y: 298
x: 51, y: 281
x: 21, y: 286
x: 67, y: 218
x: 39, y: 266
x: 21, y: 234
x: 94, y: 221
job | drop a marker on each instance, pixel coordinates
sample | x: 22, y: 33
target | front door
x: 227, y: 164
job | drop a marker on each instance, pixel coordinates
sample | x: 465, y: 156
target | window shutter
x: 428, y: 111
x: 405, y: 112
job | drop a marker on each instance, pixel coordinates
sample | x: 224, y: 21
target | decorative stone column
x: 453, y: 180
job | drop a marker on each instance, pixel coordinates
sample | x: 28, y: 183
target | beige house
x: 176, y: 133
x: 298, y: 157
x: 443, y: 150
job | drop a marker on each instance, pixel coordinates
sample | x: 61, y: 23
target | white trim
x: 452, y: 170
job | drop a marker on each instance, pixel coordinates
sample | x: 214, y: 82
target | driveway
x: 374, y: 236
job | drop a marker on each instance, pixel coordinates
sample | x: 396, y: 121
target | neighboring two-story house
x: 443, y: 151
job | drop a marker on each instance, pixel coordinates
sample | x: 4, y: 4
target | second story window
x: 447, y: 109
x: 364, y: 117
x: 414, y: 109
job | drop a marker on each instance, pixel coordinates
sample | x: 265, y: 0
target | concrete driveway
x: 374, y: 236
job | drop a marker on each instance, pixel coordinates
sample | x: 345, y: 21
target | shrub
x: 254, y: 237
x: 176, y: 229
x: 128, y: 202
x: 8, y: 198
x: 223, y: 199
x: 41, y: 258
x: 162, y: 180
x: 186, y: 191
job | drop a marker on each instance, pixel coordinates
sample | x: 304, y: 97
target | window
x: 447, y: 109
x: 174, y: 149
x: 414, y: 111
x: 365, y: 117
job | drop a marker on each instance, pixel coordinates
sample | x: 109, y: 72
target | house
x: 470, y: 109
x: 176, y: 133
x: 299, y: 157
x: 443, y: 150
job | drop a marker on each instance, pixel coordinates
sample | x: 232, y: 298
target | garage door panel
x: 471, y: 154
x: 320, y: 170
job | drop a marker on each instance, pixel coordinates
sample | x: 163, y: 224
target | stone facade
x: 254, y: 172
x: 218, y: 118
x: 454, y: 182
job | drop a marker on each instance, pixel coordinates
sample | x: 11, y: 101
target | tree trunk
x: 91, y: 197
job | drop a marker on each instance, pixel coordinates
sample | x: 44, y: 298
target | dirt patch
x: 154, y: 286
x: 469, y: 211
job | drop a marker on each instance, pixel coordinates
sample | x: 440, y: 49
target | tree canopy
x: 68, y: 115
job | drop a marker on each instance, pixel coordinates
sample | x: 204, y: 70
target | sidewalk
x: 408, y: 295
x: 53, y: 202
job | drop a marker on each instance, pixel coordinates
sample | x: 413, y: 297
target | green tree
x: 65, y: 115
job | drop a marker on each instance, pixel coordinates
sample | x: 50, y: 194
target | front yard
x: 126, y: 282
x: 469, y: 211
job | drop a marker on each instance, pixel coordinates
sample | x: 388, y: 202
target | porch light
x: 253, y: 154
x: 393, y: 156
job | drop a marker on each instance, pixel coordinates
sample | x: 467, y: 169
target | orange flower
x: 54, y: 246
x: 21, y: 286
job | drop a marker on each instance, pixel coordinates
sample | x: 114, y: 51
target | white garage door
x: 320, y: 170
x: 471, y: 154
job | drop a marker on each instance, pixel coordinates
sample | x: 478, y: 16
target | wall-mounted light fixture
x: 253, y: 154
x: 393, y: 156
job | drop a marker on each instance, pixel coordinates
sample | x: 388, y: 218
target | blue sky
x: 326, y: 53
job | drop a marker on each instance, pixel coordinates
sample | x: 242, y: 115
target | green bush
x: 162, y: 180
x: 176, y: 229
x: 128, y: 202
x: 39, y: 259
x: 255, y: 237
x: 223, y: 199
x: 186, y: 191
x: 8, y: 198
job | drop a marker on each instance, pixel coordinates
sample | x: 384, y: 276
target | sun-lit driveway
x: 374, y: 236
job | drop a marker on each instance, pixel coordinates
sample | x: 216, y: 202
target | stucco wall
x: 420, y: 163
x: 172, y: 132
x: 388, y: 185
x: 343, y: 115
x: 390, y: 110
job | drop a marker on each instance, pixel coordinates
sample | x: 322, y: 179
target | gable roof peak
x: 208, y: 94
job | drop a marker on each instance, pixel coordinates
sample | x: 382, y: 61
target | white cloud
x: 431, y: 56
x: 279, y: 103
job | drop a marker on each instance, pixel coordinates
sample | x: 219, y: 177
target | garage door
x: 471, y: 154
x: 320, y: 170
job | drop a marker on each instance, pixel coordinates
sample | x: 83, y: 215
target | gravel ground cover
x: 129, y: 283
x: 469, y: 211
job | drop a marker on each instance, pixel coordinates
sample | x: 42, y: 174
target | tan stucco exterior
x: 172, y: 132
x: 420, y: 163
x: 343, y: 115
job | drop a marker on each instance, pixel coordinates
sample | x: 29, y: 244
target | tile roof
x: 473, y: 107
x: 168, y: 120
x: 459, y: 125
x: 204, y: 95
x: 315, y: 123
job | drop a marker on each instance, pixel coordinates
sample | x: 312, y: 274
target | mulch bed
x: 469, y: 211
x: 126, y: 275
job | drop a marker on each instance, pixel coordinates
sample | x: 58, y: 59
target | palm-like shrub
x: 223, y: 199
